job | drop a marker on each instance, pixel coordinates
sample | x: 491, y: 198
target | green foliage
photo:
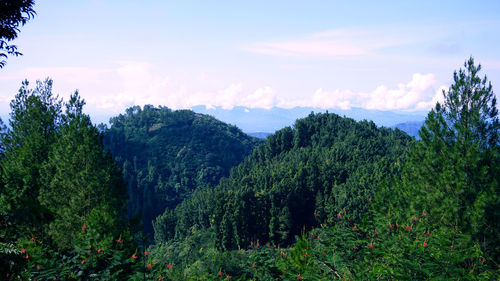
x: 165, y: 155
x: 79, y: 179
x: 56, y: 182
x: 416, y: 250
x: 325, y: 167
x: 453, y: 172
x: 88, y: 260
x: 436, y: 220
x: 343, y: 197
x: 384, y: 250
x: 13, y: 13
x: 34, y: 123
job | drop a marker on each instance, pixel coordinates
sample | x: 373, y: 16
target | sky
x: 375, y: 55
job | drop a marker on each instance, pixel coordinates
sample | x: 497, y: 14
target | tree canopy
x: 165, y: 155
x: 326, y: 166
x: 453, y: 172
x: 434, y: 216
x: 59, y: 189
x: 13, y: 14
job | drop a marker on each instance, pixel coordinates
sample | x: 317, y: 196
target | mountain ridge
x: 276, y: 118
x: 165, y: 155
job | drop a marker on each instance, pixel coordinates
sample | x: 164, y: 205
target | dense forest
x: 165, y: 155
x: 61, y: 194
x: 328, y: 198
x: 301, y: 177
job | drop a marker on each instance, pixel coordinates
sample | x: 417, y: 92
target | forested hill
x: 327, y: 199
x: 166, y: 154
x: 325, y: 166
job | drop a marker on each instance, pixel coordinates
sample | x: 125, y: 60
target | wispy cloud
x: 363, y: 41
x: 319, y: 48
x: 342, y: 42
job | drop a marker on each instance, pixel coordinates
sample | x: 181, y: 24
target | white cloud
x: 405, y: 97
x: 228, y: 97
x: 418, y: 94
x: 262, y: 98
x: 138, y: 83
x: 338, y: 99
x: 234, y: 95
x: 438, y: 97
x: 108, y: 89
x: 129, y: 83
x: 135, y: 83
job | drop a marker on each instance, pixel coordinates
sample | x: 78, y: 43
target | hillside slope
x: 324, y: 167
x: 166, y: 154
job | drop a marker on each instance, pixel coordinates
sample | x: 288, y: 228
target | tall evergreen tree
x: 79, y: 178
x: 34, y: 122
x: 453, y: 172
x: 3, y: 131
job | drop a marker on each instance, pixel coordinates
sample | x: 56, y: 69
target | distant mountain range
x: 259, y: 122
x: 260, y: 135
x: 411, y: 128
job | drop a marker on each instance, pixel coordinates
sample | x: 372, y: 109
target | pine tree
x: 80, y: 179
x: 453, y: 172
x: 34, y: 122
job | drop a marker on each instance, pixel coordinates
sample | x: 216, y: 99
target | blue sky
x: 380, y: 55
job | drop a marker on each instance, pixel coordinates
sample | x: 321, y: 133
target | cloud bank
x: 419, y: 93
x: 112, y: 90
